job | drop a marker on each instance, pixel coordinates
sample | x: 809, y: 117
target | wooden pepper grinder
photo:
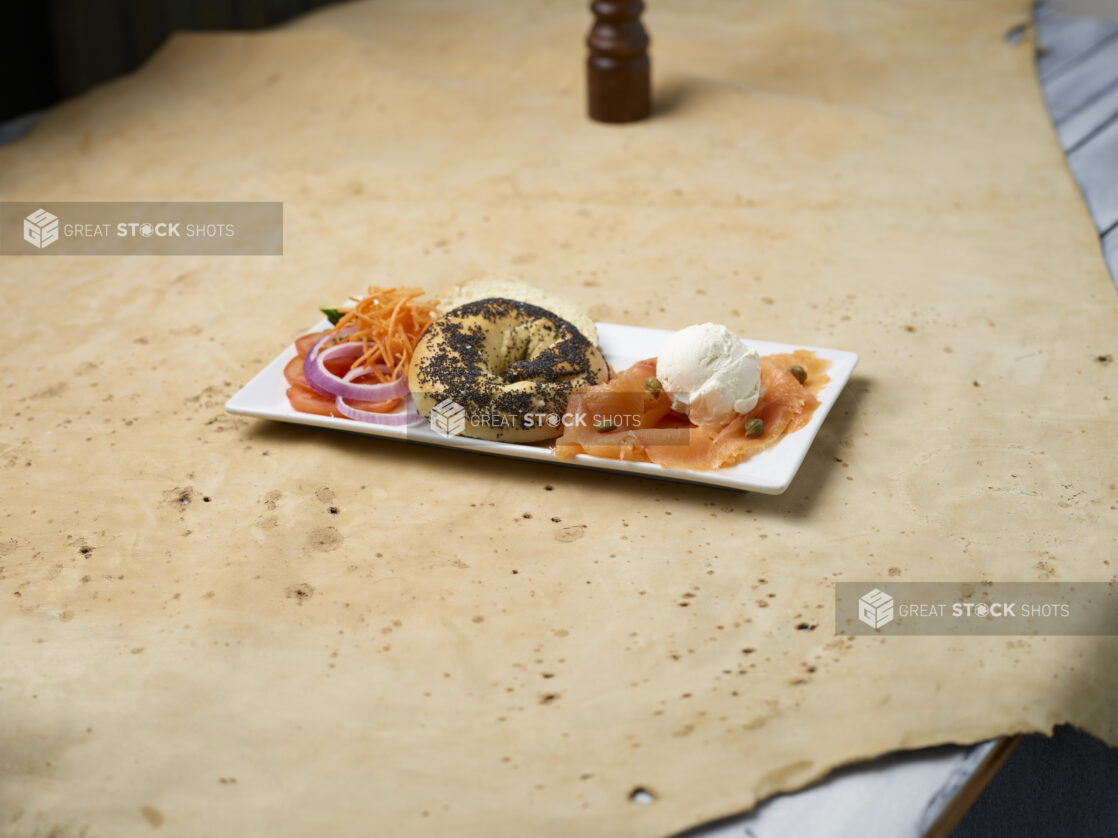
x: 618, y: 77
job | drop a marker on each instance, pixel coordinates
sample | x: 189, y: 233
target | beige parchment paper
x: 194, y: 644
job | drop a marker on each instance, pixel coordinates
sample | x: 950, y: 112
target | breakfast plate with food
x: 497, y: 366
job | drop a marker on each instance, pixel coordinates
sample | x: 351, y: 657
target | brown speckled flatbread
x: 223, y: 627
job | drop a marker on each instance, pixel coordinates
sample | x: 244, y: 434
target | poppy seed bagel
x: 512, y: 288
x: 510, y: 365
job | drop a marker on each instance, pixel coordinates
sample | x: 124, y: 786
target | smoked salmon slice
x: 621, y: 420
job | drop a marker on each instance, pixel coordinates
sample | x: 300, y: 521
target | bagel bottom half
x: 502, y: 370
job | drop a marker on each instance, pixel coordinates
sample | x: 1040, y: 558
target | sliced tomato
x: 339, y: 366
x: 293, y: 372
x: 306, y: 400
x: 303, y: 345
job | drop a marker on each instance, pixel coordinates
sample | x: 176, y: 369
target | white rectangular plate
x: 769, y: 472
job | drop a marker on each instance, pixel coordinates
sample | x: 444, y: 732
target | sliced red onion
x: 322, y: 381
x: 405, y: 418
x: 309, y: 367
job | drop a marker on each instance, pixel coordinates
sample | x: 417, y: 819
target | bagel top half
x: 513, y: 288
x: 510, y: 365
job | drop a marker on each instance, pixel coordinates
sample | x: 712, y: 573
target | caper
x: 603, y: 425
x: 798, y: 373
x: 653, y: 386
x: 755, y: 427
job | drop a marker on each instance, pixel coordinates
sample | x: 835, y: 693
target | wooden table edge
x: 960, y: 804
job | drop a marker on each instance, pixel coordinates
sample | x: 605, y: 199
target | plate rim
x: 843, y: 364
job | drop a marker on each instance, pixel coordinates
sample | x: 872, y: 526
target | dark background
x: 1050, y: 788
x: 53, y: 49
x: 1066, y: 785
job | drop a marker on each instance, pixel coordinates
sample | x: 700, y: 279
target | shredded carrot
x: 388, y: 322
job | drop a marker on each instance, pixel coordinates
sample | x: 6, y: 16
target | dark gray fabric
x: 1063, y: 786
